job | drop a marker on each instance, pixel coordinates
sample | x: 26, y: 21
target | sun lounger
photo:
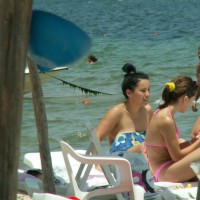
x: 47, y: 196
x: 95, y: 179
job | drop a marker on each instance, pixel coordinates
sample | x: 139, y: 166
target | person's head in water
x: 91, y: 59
x: 132, y: 78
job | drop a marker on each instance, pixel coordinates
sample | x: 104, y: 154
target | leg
x: 180, y: 171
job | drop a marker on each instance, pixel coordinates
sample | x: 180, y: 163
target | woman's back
x: 155, y: 138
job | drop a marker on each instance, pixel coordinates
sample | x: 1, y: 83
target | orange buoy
x: 85, y: 101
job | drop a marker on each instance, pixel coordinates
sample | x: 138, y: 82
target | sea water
x: 159, y: 37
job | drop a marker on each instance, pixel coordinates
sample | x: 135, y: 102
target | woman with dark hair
x: 168, y: 161
x: 125, y: 124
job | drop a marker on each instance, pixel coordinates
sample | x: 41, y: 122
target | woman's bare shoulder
x: 164, y: 121
x: 116, y: 109
x: 149, y: 110
x: 148, y: 107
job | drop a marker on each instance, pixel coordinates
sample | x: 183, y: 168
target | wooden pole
x: 198, y: 190
x: 42, y: 128
x: 14, y: 25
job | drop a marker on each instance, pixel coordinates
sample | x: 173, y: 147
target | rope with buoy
x: 83, y: 89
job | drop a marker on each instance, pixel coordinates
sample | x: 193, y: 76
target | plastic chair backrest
x: 96, y: 147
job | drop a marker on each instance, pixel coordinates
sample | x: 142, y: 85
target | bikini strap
x: 178, y: 133
x: 169, y: 112
x: 156, y: 111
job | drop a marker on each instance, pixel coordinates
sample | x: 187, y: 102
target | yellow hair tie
x: 171, y: 86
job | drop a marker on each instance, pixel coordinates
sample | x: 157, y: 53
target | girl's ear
x: 186, y: 98
x: 129, y: 92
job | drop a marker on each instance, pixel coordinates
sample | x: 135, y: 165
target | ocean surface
x: 159, y: 37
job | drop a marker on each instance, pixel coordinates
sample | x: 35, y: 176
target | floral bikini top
x: 127, y: 140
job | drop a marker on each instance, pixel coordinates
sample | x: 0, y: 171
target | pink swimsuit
x: 161, y: 167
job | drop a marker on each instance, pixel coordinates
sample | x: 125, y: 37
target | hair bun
x: 129, y: 68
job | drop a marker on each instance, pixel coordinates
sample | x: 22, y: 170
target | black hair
x: 131, y: 78
x: 34, y: 172
x: 92, y: 58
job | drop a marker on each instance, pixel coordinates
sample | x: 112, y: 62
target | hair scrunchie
x: 171, y: 86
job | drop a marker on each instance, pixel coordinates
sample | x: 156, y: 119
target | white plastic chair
x: 124, y: 181
x: 94, y: 149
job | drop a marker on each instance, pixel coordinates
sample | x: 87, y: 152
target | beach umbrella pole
x: 53, y: 42
x: 42, y: 127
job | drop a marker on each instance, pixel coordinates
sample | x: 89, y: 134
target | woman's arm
x: 195, y: 133
x: 108, y: 123
x: 194, y: 105
x: 173, y: 146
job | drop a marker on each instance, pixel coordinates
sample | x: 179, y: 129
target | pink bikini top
x: 177, y: 132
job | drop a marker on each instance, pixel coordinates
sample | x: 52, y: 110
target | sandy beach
x: 22, y: 196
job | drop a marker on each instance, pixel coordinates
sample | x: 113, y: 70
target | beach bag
x: 140, y: 170
x: 144, y: 179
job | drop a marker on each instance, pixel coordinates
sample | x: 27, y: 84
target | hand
x: 198, y: 136
x: 194, y: 106
x: 195, y: 136
x: 195, y: 139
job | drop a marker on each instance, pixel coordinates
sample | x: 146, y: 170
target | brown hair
x: 184, y: 85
